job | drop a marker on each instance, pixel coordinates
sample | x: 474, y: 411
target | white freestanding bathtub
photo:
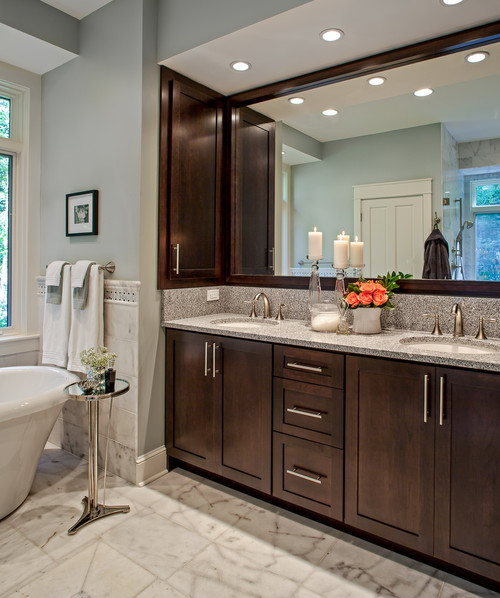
x: 30, y: 400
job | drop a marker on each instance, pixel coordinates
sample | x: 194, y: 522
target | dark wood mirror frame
x: 442, y: 46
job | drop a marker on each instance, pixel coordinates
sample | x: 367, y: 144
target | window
x: 5, y: 215
x: 485, y: 195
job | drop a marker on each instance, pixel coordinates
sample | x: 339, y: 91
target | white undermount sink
x: 447, y: 345
x: 243, y: 323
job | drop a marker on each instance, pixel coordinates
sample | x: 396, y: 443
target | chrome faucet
x: 458, y: 328
x: 267, y: 307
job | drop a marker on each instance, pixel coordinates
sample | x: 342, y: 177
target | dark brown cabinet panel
x: 309, y: 365
x: 309, y: 411
x: 468, y: 471
x: 190, y: 233
x: 390, y: 451
x: 253, y: 149
x: 245, y: 430
x: 308, y: 474
x: 219, y: 405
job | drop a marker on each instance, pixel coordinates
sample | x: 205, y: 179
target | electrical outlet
x: 212, y: 294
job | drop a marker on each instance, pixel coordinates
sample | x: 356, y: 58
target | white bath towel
x: 56, y: 325
x: 53, y: 281
x: 87, y: 325
x: 80, y: 274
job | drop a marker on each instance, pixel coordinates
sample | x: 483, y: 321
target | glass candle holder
x: 325, y: 317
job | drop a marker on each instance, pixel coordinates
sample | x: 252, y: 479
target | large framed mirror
x: 387, y: 159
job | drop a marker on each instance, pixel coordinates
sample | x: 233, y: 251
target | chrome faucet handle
x: 279, y: 315
x: 480, y: 331
x: 437, y: 330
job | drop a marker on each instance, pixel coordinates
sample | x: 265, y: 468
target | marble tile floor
x: 188, y: 537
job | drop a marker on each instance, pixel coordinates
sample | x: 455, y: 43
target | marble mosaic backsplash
x: 408, y: 315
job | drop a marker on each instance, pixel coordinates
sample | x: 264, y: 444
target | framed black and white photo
x: 81, y: 213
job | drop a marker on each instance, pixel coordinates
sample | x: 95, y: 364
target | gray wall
x: 100, y: 131
x: 323, y: 193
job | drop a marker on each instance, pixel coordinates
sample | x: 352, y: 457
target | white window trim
x: 475, y: 210
x: 17, y: 145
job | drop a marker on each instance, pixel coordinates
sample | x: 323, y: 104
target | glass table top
x: 77, y: 393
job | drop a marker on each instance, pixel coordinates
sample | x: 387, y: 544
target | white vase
x: 367, y: 320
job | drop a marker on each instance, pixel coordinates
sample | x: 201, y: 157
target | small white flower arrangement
x: 97, y: 359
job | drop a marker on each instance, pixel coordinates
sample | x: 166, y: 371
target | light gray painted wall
x: 100, y: 131
x: 322, y: 191
x: 91, y: 139
x: 45, y: 22
x: 185, y: 24
x: 302, y: 142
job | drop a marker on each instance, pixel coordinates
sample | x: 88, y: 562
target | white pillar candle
x: 357, y: 253
x: 344, y: 237
x: 340, y: 254
x: 315, y: 245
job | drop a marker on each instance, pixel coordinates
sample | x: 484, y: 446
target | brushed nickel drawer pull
x: 177, y: 250
x: 441, y: 400
x: 298, y: 411
x: 306, y: 368
x: 316, y: 479
x: 214, y: 370
x: 426, y: 397
x: 206, y: 359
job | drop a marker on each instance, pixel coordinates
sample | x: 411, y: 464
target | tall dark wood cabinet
x: 389, y: 476
x: 253, y: 160
x: 468, y: 470
x: 218, y: 408
x: 190, y: 232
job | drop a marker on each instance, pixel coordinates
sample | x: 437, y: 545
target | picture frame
x: 82, y: 213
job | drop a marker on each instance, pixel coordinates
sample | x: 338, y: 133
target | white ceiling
x: 77, y: 8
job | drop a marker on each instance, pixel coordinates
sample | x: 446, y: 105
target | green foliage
x: 390, y: 280
x: 4, y: 117
x: 487, y: 195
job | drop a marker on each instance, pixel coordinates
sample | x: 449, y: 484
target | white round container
x: 325, y: 317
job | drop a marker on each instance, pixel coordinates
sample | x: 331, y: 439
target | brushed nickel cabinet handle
x: 316, y: 478
x: 299, y: 411
x: 426, y: 398
x: 214, y: 370
x: 306, y: 368
x: 441, y: 400
x: 176, y: 248
x: 206, y: 358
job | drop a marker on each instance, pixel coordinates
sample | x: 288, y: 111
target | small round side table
x: 92, y: 510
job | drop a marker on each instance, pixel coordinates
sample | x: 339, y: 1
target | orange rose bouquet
x: 373, y: 293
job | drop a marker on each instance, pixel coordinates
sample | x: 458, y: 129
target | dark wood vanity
x: 415, y: 446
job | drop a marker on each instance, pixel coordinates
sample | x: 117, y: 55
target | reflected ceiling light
x: 477, y: 56
x: 377, y: 80
x: 450, y: 2
x: 296, y: 100
x: 331, y: 35
x: 425, y: 91
x: 330, y: 112
x: 240, y: 65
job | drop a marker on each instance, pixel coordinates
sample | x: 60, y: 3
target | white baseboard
x: 150, y: 466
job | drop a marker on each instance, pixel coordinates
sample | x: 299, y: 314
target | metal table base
x: 92, y: 510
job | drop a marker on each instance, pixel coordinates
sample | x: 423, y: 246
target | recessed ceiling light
x: 477, y: 56
x: 426, y: 91
x: 330, y: 112
x: 377, y: 80
x: 450, y: 2
x: 296, y: 100
x: 331, y: 35
x: 240, y: 65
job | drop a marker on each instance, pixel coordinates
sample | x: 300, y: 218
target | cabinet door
x: 190, y: 232
x: 468, y: 471
x: 244, y: 433
x: 190, y: 390
x: 389, y: 450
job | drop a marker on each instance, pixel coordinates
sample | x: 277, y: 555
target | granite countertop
x: 390, y: 343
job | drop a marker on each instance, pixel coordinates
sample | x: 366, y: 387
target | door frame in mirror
x: 418, y: 52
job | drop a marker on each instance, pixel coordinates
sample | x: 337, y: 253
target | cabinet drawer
x: 309, y: 411
x: 309, y: 365
x: 308, y: 474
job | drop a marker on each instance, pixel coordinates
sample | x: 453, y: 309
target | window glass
x: 4, y: 117
x: 487, y: 194
x: 5, y: 237
x: 487, y: 246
